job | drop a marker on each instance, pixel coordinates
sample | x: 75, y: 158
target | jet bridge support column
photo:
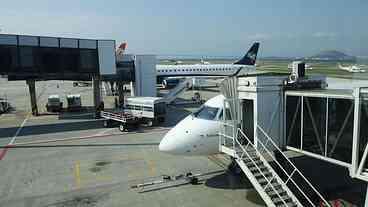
x: 32, y: 93
x: 96, y: 82
x: 121, y: 91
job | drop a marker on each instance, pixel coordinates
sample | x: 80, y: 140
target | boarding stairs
x: 106, y: 88
x: 177, y: 90
x: 286, y: 187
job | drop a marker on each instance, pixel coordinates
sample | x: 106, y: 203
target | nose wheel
x: 122, y: 127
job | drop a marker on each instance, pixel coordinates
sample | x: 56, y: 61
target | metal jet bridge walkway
x: 265, y: 119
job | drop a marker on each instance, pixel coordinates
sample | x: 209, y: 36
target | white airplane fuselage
x: 210, y: 70
x: 197, y: 134
x: 352, y: 69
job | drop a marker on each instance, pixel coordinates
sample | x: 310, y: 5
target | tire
x: 197, y: 97
x: 122, y: 127
x: 149, y: 122
x: 106, y: 123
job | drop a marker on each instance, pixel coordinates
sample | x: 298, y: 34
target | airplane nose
x: 166, y: 145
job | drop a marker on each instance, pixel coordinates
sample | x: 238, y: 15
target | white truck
x: 54, y: 104
x: 74, y: 102
x: 137, y: 110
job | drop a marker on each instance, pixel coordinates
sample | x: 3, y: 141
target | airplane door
x: 248, y: 118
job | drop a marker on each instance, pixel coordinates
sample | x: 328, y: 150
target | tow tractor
x: 135, y: 111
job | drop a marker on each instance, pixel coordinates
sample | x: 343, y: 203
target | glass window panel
x: 8, y: 40
x: 340, y: 129
x: 28, y: 41
x: 48, y: 60
x: 363, y: 136
x: 8, y: 58
x: 26, y: 55
x: 293, y: 116
x: 69, y: 59
x: 49, y: 42
x: 206, y: 112
x: 87, y: 44
x: 68, y: 43
x: 88, y: 61
x: 314, y: 124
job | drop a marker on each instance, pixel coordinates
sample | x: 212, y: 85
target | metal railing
x: 181, y: 87
x: 121, y: 116
x: 294, y: 171
x: 245, y: 152
x: 289, y: 176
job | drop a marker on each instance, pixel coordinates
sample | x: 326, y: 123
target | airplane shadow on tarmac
x: 231, y: 181
x: 332, y: 181
x: 228, y: 180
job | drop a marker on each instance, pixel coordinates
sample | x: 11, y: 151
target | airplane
x: 246, y: 63
x: 351, y: 68
x: 197, y: 134
x: 203, y: 62
x: 204, y: 70
x: 174, y: 73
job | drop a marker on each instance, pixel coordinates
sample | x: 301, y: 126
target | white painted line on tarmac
x: 18, y: 130
x: 153, y: 131
x: 104, y: 132
x: 75, y: 115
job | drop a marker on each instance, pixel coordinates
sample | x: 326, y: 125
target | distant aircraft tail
x: 251, y: 56
x: 121, y: 48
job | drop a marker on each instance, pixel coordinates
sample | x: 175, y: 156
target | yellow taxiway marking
x: 77, y: 174
x: 152, y: 168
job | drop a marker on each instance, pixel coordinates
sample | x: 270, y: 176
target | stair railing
x: 295, y: 170
x: 245, y: 152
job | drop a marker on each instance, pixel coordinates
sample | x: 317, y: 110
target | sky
x: 290, y: 28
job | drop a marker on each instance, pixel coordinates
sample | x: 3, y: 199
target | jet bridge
x: 270, y: 114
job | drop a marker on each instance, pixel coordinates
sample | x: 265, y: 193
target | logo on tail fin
x: 251, y: 56
x: 121, y: 48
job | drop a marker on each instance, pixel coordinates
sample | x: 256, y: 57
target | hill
x: 332, y: 55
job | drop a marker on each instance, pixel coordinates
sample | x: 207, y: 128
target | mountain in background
x: 332, y: 55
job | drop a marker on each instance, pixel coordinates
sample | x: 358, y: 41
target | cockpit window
x: 228, y: 115
x: 206, y: 112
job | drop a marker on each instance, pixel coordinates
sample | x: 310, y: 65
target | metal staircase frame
x: 251, y: 159
x: 177, y: 90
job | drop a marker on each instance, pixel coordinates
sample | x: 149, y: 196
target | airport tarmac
x: 69, y: 159
x: 74, y: 161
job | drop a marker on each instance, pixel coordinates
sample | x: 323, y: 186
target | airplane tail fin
x: 251, y: 56
x: 120, y: 50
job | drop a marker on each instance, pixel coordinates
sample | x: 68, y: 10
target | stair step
x: 278, y: 200
x: 259, y: 175
x: 275, y: 186
x: 280, y: 192
x: 290, y: 204
x: 250, y: 162
x: 264, y: 182
x: 255, y: 169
